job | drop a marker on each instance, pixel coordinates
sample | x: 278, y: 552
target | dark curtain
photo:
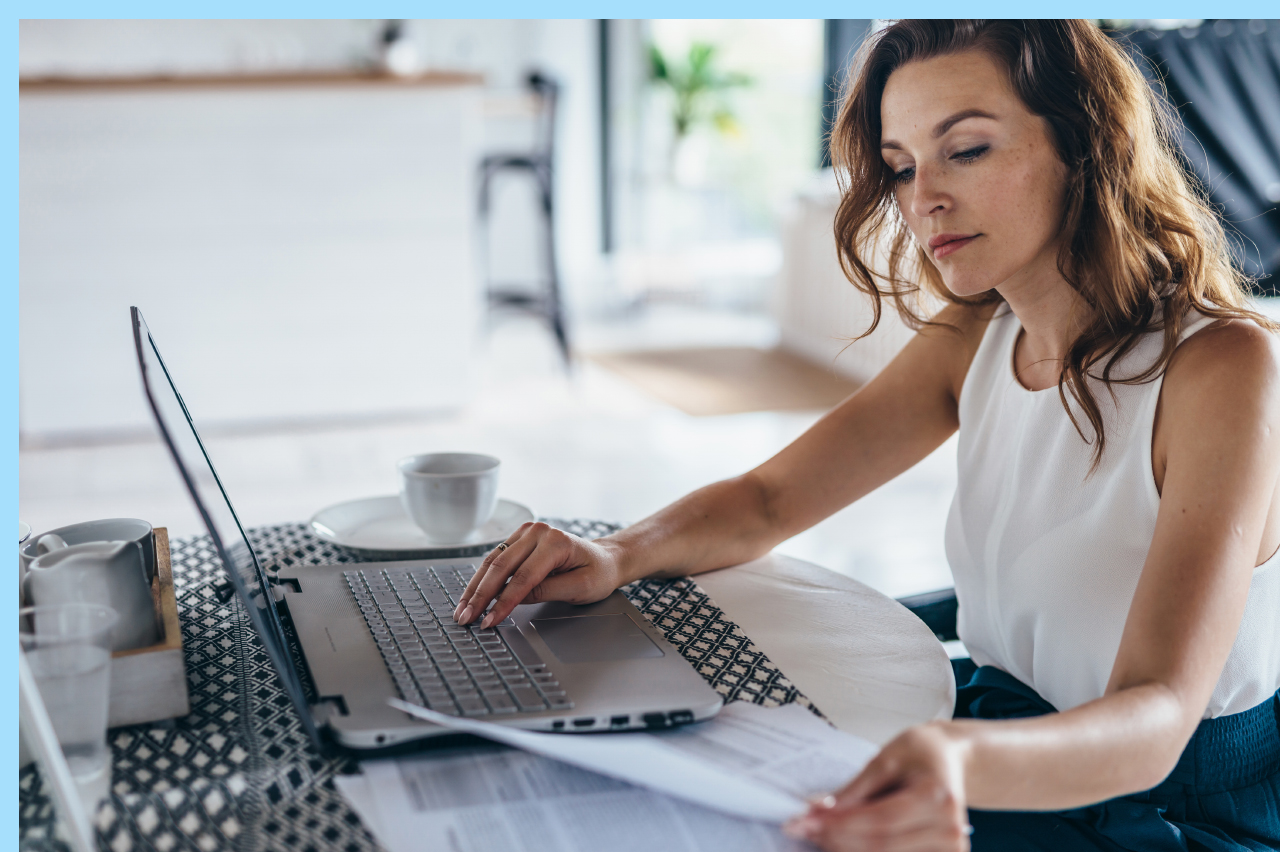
x: 1224, y: 79
x: 841, y: 39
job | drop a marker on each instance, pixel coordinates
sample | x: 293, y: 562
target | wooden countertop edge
x: 41, y: 85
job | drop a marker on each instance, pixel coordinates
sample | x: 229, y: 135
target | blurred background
x: 600, y: 250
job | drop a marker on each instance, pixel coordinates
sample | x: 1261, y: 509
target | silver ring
x: 500, y: 547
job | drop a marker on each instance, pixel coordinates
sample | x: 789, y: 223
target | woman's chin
x: 965, y: 286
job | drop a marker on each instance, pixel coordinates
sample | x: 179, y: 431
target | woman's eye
x: 971, y: 154
x: 904, y: 175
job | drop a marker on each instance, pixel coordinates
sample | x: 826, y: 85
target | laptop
x: 371, y: 631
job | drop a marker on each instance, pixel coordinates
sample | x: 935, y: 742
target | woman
x: 1116, y: 517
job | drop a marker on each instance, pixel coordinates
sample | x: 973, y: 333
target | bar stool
x: 538, y: 164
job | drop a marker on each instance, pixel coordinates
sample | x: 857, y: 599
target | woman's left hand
x: 910, y: 797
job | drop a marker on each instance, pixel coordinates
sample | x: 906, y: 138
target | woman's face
x: 977, y: 178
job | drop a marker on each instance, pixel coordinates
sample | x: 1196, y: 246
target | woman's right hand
x: 540, y: 563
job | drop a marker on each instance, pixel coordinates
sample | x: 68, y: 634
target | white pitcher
x: 110, y: 573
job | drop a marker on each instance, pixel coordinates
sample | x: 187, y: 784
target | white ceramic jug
x: 110, y: 573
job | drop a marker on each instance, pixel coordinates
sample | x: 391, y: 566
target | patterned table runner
x: 240, y: 773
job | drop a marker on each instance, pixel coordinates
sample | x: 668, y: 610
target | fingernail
x: 488, y: 620
x: 800, y: 827
x: 466, y: 615
x: 827, y: 802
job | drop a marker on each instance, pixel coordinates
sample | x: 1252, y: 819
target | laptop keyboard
x: 456, y: 670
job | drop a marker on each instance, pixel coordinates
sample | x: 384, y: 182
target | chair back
x: 547, y: 90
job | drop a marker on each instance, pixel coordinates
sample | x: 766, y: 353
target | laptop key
x: 560, y: 703
x: 473, y: 706
x: 527, y: 697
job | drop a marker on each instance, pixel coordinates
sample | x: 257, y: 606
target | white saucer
x: 379, y: 527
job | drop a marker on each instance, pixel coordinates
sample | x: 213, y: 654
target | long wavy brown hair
x: 1142, y: 245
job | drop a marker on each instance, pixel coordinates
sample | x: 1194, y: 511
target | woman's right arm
x: 894, y: 421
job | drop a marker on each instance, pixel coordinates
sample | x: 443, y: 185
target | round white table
x: 862, y: 658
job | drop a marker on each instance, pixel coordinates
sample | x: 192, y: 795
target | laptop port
x: 557, y: 725
x: 583, y: 723
x: 620, y: 721
x: 655, y: 720
x: 681, y: 717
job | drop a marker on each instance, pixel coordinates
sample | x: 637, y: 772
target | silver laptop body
x: 371, y: 631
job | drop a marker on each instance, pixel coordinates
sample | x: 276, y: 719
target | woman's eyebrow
x: 943, y: 126
x: 947, y: 123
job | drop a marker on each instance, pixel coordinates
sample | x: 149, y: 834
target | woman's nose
x: 928, y: 195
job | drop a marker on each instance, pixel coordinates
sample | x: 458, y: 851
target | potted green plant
x: 698, y: 90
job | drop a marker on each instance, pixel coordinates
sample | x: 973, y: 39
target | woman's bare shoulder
x: 954, y: 334
x: 1230, y: 364
x: 1236, y: 351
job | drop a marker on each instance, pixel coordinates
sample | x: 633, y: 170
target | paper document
x: 749, y: 761
x: 491, y: 798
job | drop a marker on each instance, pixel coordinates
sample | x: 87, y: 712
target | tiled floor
x: 582, y: 444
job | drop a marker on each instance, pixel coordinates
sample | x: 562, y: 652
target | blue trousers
x: 1223, y: 796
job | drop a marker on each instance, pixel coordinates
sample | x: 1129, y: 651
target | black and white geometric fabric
x: 239, y: 771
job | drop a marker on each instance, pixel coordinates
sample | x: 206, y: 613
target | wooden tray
x: 149, y: 684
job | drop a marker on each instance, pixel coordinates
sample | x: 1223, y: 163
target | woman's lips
x: 946, y: 244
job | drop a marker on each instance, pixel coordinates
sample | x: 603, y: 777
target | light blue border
x: 9, y: 666
x: 1133, y: 9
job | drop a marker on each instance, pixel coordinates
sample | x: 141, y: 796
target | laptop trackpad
x: 595, y: 638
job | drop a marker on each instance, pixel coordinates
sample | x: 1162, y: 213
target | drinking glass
x: 68, y: 647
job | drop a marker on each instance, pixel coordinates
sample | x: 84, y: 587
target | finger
x: 914, y: 817
x: 922, y: 804
x: 878, y: 777
x: 550, y: 553
x: 914, y: 806
x: 478, y: 577
x: 496, y: 576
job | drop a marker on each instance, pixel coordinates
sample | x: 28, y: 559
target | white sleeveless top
x: 1046, y: 558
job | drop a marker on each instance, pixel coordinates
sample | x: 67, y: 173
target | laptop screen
x: 243, y: 569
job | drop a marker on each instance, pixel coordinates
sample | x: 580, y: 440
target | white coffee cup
x: 109, y: 573
x: 449, y: 495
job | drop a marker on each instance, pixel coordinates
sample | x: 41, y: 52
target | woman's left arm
x: 1220, y: 411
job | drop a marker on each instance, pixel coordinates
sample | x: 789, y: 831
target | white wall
x: 299, y: 251
x: 498, y: 49
x: 819, y: 312
x: 503, y: 51
x: 140, y: 48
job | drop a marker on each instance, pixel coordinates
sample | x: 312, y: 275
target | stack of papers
x: 725, y: 783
